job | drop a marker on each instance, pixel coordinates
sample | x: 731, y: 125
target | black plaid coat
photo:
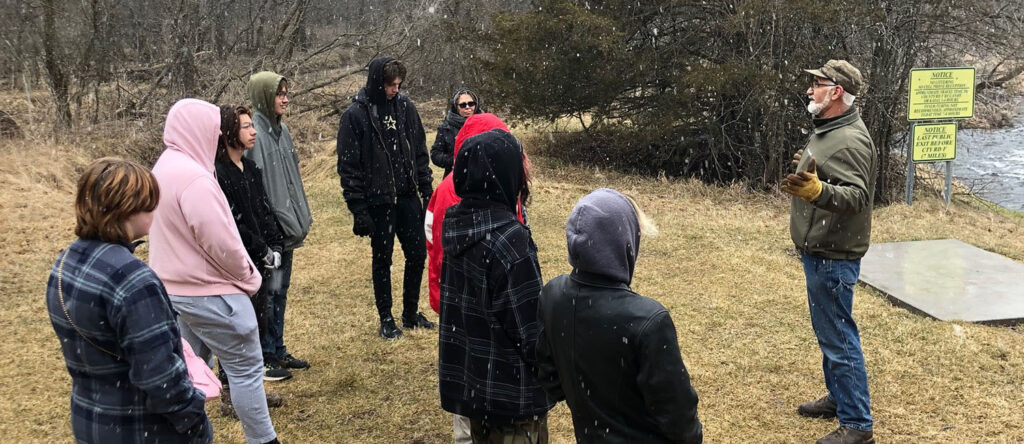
x: 490, y: 284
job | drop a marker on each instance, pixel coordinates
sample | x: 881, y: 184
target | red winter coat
x: 444, y: 196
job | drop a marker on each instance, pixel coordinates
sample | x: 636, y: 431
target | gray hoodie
x: 610, y: 353
x: 276, y: 156
x: 603, y: 235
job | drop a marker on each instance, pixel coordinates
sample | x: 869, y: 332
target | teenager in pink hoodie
x: 196, y: 251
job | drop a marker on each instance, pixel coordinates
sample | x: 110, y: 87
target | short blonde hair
x: 110, y: 191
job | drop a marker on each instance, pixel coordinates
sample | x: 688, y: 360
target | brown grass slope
x: 723, y: 265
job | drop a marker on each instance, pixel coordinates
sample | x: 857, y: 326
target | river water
x: 992, y: 163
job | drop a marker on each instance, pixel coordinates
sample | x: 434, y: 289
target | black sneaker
x: 821, y: 408
x: 272, y: 371
x: 388, y: 329
x: 417, y: 321
x: 289, y: 361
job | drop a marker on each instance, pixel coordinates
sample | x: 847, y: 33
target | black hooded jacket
x: 490, y: 283
x: 442, y: 152
x: 610, y: 353
x: 247, y: 198
x: 365, y: 166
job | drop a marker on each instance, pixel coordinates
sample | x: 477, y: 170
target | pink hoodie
x: 194, y: 245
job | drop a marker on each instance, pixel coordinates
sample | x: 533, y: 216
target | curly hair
x: 229, y: 126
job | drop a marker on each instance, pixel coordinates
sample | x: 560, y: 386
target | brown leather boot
x: 821, y: 408
x: 274, y: 400
x: 226, y: 409
x: 846, y: 435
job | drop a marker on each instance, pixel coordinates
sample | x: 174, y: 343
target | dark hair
x: 110, y: 191
x: 281, y: 85
x: 229, y: 126
x: 394, y: 69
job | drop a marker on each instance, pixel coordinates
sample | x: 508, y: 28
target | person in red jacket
x: 444, y: 196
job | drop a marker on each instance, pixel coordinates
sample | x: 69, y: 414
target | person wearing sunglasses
x: 463, y: 104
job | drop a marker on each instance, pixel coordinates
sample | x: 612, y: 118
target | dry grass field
x: 723, y: 265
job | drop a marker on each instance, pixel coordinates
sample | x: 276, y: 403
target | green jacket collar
x: 822, y: 126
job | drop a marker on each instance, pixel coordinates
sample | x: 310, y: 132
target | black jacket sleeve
x: 350, y: 139
x: 268, y: 221
x: 252, y: 239
x: 441, y: 153
x: 418, y: 142
x: 547, y: 370
x: 665, y: 383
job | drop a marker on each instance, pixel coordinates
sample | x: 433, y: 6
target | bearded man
x: 830, y: 224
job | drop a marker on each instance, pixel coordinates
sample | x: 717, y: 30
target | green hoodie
x: 262, y: 92
x: 837, y: 225
x: 275, y: 155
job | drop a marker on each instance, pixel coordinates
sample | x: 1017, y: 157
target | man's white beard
x: 815, y: 108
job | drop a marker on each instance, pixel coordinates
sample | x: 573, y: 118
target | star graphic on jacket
x: 389, y: 122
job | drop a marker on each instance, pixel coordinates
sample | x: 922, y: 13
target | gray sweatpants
x: 226, y: 326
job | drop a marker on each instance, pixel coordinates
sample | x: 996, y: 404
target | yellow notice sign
x: 934, y: 142
x: 941, y: 93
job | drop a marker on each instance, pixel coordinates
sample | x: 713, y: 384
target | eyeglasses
x: 467, y: 104
x: 822, y: 85
x: 282, y: 94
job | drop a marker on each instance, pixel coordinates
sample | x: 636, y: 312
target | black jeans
x: 404, y: 219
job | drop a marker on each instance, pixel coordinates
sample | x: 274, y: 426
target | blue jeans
x: 830, y: 298
x: 274, y: 300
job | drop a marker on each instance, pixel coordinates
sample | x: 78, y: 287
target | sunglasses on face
x: 467, y: 104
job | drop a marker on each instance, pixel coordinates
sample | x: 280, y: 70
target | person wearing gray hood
x: 610, y: 353
x: 463, y: 104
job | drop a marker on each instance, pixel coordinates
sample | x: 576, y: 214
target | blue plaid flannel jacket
x: 143, y: 394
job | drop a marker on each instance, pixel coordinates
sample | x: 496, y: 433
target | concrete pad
x: 948, y: 280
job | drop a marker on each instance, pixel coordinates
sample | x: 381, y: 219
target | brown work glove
x: 803, y: 184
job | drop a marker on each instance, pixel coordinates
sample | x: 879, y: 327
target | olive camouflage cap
x: 842, y: 73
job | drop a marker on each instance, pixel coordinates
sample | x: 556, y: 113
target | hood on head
x: 489, y: 167
x: 193, y: 127
x: 262, y: 89
x: 603, y: 235
x: 375, y: 80
x: 476, y: 124
x: 453, y: 105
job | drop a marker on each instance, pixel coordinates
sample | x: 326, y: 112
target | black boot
x: 388, y: 329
